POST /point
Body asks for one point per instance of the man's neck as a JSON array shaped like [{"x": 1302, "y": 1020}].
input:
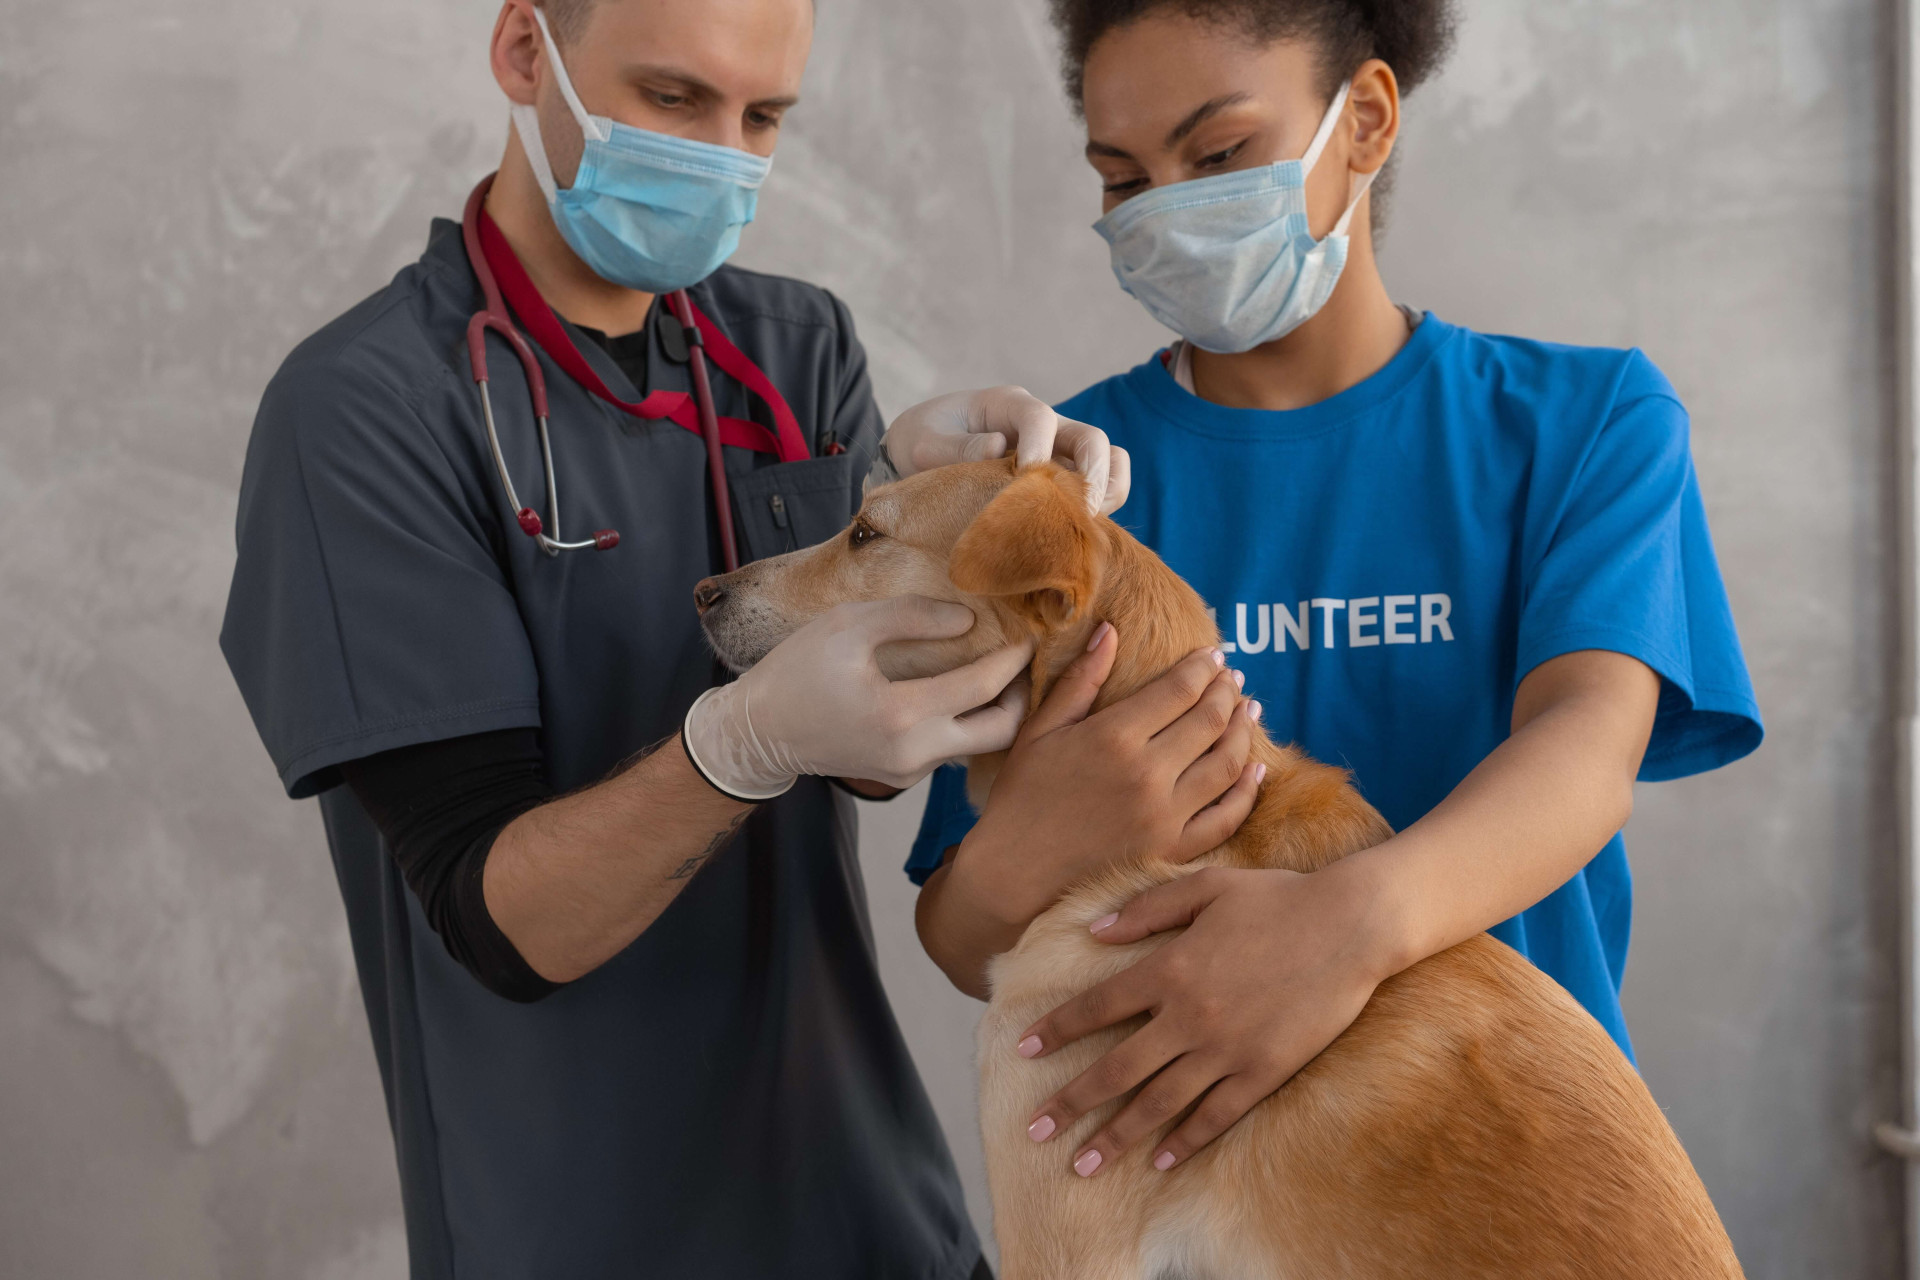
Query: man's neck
[
  {"x": 1349, "y": 340},
  {"x": 570, "y": 287}
]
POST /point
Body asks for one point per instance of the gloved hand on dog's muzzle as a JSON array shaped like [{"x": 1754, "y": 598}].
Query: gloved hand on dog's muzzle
[{"x": 818, "y": 704}]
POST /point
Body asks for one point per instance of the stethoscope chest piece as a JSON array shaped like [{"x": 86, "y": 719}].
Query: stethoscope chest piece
[
  {"x": 545, "y": 533},
  {"x": 493, "y": 317}
]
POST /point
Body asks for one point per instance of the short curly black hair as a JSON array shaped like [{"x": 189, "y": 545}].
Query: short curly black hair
[{"x": 1411, "y": 36}]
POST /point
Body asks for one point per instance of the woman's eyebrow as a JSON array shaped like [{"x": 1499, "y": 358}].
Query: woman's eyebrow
[
  {"x": 1200, "y": 114},
  {"x": 1195, "y": 118}
]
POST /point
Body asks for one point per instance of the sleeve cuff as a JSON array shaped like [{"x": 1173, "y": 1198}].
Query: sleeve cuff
[
  {"x": 316, "y": 768},
  {"x": 1695, "y": 729}
]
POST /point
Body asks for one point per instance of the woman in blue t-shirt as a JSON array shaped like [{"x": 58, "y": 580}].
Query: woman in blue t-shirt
[{"x": 1473, "y": 569}]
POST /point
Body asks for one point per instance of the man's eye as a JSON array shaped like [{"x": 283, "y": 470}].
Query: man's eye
[
  {"x": 862, "y": 534},
  {"x": 670, "y": 100},
  {"x": 1125, "y": 187}
]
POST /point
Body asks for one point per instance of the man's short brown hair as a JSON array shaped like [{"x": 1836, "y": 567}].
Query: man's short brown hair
[{"x": 568, "y": 18}]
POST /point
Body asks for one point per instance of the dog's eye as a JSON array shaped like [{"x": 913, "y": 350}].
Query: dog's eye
[{"x": 862, "y": 533}]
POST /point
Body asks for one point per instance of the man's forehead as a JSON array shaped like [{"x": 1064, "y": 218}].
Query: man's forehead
[
  {"x": 737, "y": 18},
  {"x": 750, "y": 48}
]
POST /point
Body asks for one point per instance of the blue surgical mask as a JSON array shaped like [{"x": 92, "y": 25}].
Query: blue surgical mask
[
  {"x": 1229, "y": 262},
  {"x": 646, "y": 210}
]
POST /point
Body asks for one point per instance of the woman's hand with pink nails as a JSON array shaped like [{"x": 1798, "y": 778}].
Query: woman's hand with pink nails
[
  {"x": 1162, "y": 773},
  {"x": 1273, "y": 965},
  {"x": 1079, "y": 791}
]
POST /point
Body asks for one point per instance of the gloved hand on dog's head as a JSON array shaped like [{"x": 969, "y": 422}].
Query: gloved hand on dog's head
[{"x": 974, "y": 426}]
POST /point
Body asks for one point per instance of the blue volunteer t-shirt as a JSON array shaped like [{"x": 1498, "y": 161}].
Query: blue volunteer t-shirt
[{"x": 1388, "y": 564}]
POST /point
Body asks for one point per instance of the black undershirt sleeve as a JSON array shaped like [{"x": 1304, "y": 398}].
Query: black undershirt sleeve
[{"x": 440, "y": 805}]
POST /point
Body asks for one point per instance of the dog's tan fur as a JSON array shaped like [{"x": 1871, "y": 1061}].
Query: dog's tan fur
[{"x": 1473, "y": 1121}]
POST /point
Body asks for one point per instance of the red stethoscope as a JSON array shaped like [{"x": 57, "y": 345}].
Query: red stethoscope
[{"x": 504, "y": 282}]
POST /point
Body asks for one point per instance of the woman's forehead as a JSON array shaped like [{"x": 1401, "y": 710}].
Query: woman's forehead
[{"x": 1154, "y": 73}]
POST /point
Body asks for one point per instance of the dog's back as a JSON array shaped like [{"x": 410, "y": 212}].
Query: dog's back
[{"x": 1473, "y": 1121}]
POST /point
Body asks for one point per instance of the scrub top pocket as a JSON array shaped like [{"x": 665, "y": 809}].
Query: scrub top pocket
[{"x": 790, "y": 505}]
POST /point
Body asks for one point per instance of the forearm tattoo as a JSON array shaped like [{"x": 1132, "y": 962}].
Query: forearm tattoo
[{"x": 686, "y": 869}]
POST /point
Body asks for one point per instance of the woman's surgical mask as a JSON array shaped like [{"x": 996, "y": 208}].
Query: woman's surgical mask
[
  {"x": 646, "y": 210},
  {"x": 1228, "y": 262}
]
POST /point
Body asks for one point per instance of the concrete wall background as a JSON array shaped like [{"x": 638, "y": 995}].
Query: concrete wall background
[{"x": 195, "y": 184}]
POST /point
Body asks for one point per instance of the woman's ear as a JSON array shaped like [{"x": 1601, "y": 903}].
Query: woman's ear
[
  {"x": 1374, "y": 100},
  {"x": 1035, "y": 543}
]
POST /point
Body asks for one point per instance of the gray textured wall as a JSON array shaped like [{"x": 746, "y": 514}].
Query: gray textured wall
[{"x": 186, "y": 1088}]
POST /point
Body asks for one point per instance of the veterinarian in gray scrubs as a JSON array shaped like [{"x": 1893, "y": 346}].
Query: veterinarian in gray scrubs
[{"x": 635, "y": 1029}]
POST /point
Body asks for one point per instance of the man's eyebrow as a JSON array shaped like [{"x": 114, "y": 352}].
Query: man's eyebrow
[
  {"x": 1107, "y": 149},
  {"x": 695, "y": 87},
  {"x": 1200, "y": 114},
  {"x": 674, "y": 75}
]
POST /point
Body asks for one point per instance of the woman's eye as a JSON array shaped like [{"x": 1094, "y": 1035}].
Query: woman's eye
[
  {"x": 863, "y": 533},
  {"x": 1219, "y": 158},
  {"x": 1126, "y": 187}
]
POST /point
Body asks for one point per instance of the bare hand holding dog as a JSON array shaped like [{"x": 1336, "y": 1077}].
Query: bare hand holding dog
[
  {"x": 1274, "y": 964},
  {"x": 1272, "y": 967},
  {"x": 1162, "y": 773}
]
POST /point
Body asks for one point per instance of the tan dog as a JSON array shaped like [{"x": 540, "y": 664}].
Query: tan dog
[{"x": 1473, "y": 1121}]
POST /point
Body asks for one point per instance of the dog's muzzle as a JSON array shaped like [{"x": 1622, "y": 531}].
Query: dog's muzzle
[{"x": 741, "y": 625}]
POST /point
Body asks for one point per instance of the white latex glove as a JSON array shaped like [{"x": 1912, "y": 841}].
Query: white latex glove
[
  {"x": 971, "y": 426},
  {"x": 818, "y": 704}
]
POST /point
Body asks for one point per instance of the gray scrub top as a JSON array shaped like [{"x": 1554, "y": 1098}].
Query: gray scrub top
[{"x": 730, "y": 1096}]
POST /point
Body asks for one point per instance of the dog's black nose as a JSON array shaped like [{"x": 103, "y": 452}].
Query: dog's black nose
[{"x": 708, "y": 594}]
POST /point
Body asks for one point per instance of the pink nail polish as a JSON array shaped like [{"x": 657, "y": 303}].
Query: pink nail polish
[
  {"x": 1104, "y": 923},
  {"x": 1163, "y": 1161},
  {"x": 1259, "y": 774},
  {"x": 1099, "y": 634},
  {"x": 1219, "y": 658},
  {"x": 1239, "y": 679},
  {"x": 1042, "y": 1129},
  {"x": 1029, "y": 1047},
  {"x": 1253, "y": 711},
  {"x": 1087, "y": 1163}
]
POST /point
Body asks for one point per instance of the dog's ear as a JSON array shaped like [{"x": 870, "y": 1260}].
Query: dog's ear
[{"x": 1035, "y": 543}]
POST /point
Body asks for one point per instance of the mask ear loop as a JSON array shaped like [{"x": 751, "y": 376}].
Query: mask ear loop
[
  {"x": 588, "y": 124},
  {"x": 526, "y": 122},
  {"x": 1356, "y": 187},
  {"x": 1359, "y": 188},
  {"x": 1325, "y": 131}
]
